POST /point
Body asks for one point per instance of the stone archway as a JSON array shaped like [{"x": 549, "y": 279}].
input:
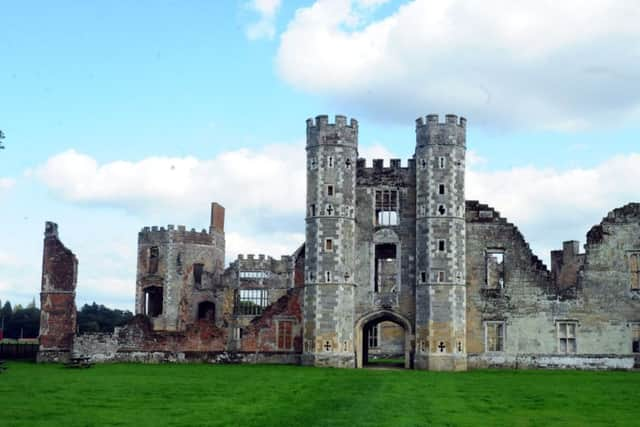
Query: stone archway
[{"x": 364, "y": 323}]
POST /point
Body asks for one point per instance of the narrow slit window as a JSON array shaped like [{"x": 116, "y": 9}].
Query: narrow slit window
[
  {"x": 328, "y": 245},
  {"x": 312, "y": 210},
  {"x": 423, "y": 277},
  {"x": 197, "y": 273},
  {"x": 327, "y": 275},
  {"x": 441, "y": 189},
  {"x": 441, "y": 245},
  {"x": 634, "y": 269},
  {"x": 442, "y": 162},
  {"x": 154, "y": 255},
  {"x": 441, "y": 276},
  {"x": 329, "y": 190}
]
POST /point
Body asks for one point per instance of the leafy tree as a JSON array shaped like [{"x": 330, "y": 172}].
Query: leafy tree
[{"x": 98, "y": 318}]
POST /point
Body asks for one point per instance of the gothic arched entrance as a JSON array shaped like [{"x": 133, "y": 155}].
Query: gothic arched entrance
[{"x": 368, "y": 322}]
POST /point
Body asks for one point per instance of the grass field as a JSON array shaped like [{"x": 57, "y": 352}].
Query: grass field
[{"x": 261, "y": 395}]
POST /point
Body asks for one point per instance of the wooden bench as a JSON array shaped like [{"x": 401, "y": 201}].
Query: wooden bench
[{"x": 78, "y": 362}]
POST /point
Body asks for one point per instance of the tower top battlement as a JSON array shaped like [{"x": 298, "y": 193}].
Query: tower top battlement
[
  {"x": 430, "y": 131},
  {"x": 342, "y": 132}
]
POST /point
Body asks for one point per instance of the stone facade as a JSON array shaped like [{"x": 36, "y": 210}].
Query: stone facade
[{"x": 396, "y": 263}]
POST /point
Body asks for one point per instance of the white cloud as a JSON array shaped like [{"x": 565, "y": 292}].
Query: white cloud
[
  {"x": 270, "y": 180},
  {"x": 264, "y": 27},
  {"x": 549, "y": 205},
  {"x": 6, "y": 184},
  {"x": 542, "y": 64}
]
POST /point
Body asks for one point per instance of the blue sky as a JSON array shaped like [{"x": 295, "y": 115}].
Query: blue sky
[{"x": 122, "y": 114}]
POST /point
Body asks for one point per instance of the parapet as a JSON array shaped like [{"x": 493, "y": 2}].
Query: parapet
[
  {"x": 264, "y": 263},
  {"x": 380, "y": 174},
  {"x": 341, "y": 132},
  {"x": 173, "y": 234},
  {"x": 322, "y": 121},
  {"x": 429, "y": 130}
]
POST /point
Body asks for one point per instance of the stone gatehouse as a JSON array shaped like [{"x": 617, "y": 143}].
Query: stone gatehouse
[{"x": 396, "y": 263}]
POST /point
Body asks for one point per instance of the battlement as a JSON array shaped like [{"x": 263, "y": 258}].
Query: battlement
[
  {"x": 379, "y": 164},
  {"x": 322, "y": 121},
  {"x": 430, "y": 131},
  {"x": 262, "y": 263},
  {"x": 434, "y": 120},
  {"x": 339, "y": 133},
  {"x": 171, "y": 233}
]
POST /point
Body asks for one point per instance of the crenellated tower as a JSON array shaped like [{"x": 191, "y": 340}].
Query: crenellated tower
[
  {"x": 440, "y": 243},
  {"x": 332, "y": 150}
]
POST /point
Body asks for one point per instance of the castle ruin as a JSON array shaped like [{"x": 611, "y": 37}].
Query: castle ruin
[{"x": 396, "y": 262}]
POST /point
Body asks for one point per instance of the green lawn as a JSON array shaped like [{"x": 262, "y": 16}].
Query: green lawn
[{"x": 250, "y": 395}]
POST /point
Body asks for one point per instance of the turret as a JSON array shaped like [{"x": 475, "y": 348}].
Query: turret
[
  {"x": 332, "y": 151},
  {"x": 440, "y": 243}
]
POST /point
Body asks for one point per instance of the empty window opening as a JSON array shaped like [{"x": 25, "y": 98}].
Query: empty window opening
[
  {"x": 441, "y": 277},
  {"x": 153, "y": 301},
  {"x": 441, "y": 245},
  {"x": 386, "y": 207},
  {"x": 423, "y": 163},
  {"x": 329, "y": 190},
  {"x": 442, "y": 162},
  {"x": 567, "y": 337},
  {"x": 634, "y": 269},
  {"x": 494, "y": 336},
  {"x": 373, "y": 337},
  {"x": 251, "y": 301},
  {"x": 423, "y": 277},
  {"x": 494, "y": 261},
  {"x": 207, "y": 311},
  {"x": 312, "y": 210},
  {"x": 347, "y": 163},
  {"x": 635, "y": 338},
  {"x": 328, "y": 245},
  {"x": 285, "y": 338},
  {"x": 386, "y": 268},
  {"x": 197, "y": 273},
  {"x": 154, "y": 255},
  {"x": 442, "y": 210},
  {"x": 441, "y": 189}
]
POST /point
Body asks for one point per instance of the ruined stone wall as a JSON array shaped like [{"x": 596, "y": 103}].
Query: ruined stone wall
[
  {"x": 533, "y": 308},
  {"x": 57, "y": 298},
  {"x": 178, "y": 251},
  {"x": 202, "y": 341}
]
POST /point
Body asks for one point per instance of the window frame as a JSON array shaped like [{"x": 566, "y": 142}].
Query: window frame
[
  {"x": 257, "y": 297},
  {"x": 283, "y": 336},
  {"x": 634, "y": 275},
  {"x": 501, "y": 338},
  {"x": 562, "y": 333},
  {"x": 386, "y": 207}
]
